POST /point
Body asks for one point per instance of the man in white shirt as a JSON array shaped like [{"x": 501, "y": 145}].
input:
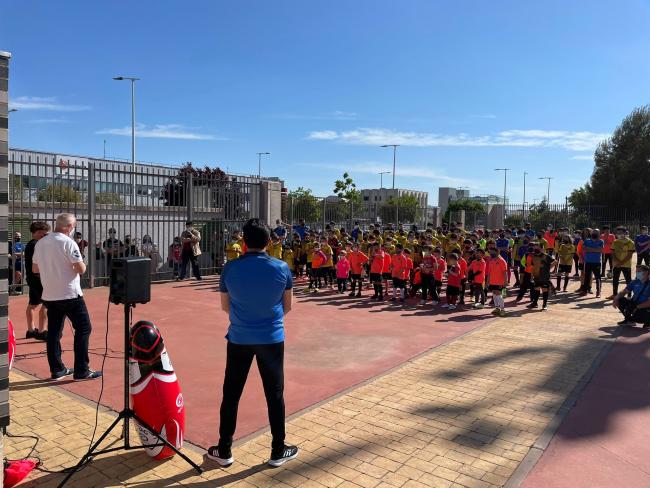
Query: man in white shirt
[{"x": 58, "y": 260}]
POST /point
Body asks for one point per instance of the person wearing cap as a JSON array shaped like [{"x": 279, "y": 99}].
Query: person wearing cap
[
  {"x": 190, "y": 239},
  {"x": 637, "y": 308}
]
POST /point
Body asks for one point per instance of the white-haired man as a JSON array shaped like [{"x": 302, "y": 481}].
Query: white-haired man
[{"x": 58, "y": 260}]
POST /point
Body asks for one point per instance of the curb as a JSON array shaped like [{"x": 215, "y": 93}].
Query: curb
[{"x": 539, "y": 447}]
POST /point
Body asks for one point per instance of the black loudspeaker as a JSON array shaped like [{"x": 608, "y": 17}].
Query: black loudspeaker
[{"x": 130, "y": 280}]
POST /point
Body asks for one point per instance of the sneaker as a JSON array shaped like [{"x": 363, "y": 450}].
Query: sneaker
[
  {"x": 31, "y": 334},
  {"x": 62, "y": 374},
  {"x": 646, "y": 325},
  {"x": 434, "y": 303},
  {"x": 502, "y": 313},
  {"x": 287, "y": 453},
  {"x": 597, "y": 294},
  {"x": 480, "y": 305},
  {"x": 532, "y": 305},
  {"x": 90, "y": 375},
  {"x": 495, "y": 311},
  {"x": 222, "y": 455},
  {"x": 359, "y": 295},
  {"x": 452, "y": 307},
  {"x": 545, "y": 308},
  {"x": 423, "y": 302},
  {"x": 476, "y": 305},
  {"x": 625, "y": 322},
  {"x": 445, "y": 305},
  {"x": 352, "y": 295},
  {"x": 41, "y": 336}
]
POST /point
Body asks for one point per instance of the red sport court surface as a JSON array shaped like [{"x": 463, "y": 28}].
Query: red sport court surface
[{"x": 332, "y": 343}]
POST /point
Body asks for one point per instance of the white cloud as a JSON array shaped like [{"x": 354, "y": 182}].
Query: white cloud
[
  {"x": 49, "y": 121},
  {"x": 417, "y": 171},
  {"x": 583, "y": 158},
  {"x": 335, "y": 115},
  {"x": 45, "y": 103},
  {"x": 573, "y": 141},
  {"x": 161, "y": 131}
]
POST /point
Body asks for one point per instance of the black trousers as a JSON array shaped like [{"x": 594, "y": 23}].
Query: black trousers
[
  {"x": 57, "y": 311},
  {"x": 525, "y": 285},
  {"x": 270, "y": 362},
  {"x": 605, "y": 259},
  {"x": 627, "y": 274},
  {"x": 640, "y": 316},
  {"x": 643, "y": 258},
  {"x": 592, "y": 268},
  {"x": 188, "y": 256}
]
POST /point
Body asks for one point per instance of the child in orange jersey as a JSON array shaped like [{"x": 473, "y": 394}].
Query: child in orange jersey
[
  {"x": 400, "y": 272},
  {"x": 438, "y": 274},
  {"x": 357, "y": 261},
  {"x": 453, "y": 281},
  {"x": 476, "y": 277},
  {"x": 385, "y": 273},
  {"x": 376, "y": 269}
]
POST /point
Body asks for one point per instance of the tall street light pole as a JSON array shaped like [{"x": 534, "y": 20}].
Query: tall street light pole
[
  {"x": 259, "y": 162},
  {"x": 523, "y": 206},
  {"x": 505, "y": 181},
  {"x": 132, "y": 80},
  {"x": 548, "y": 188},
  {"x": 381, "y": 178},
  {"x": 394, "y": 146}
]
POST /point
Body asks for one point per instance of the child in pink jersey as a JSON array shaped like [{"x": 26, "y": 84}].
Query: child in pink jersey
[{"x": 342, "y": 271}]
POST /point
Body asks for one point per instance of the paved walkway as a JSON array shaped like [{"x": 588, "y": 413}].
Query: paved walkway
[{"x": 464, "y": 414}]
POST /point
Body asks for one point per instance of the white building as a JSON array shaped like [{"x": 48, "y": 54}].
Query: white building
[
  {"x": 383, "y": 195},
  {"x": 447, "y": 194}
]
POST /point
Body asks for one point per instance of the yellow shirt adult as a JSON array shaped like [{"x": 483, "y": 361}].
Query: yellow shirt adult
[{"x": 622, "y": 250}]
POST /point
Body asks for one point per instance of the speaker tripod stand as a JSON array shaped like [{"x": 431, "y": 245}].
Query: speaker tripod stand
[{"x": 126, "y": 415}]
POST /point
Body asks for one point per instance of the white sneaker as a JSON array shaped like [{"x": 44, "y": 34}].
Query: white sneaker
[
  {"x": 446, "y": 305},
  {"x": 480, "y": 305}
]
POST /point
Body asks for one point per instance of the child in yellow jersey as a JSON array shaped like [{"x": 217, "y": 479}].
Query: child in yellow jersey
[
  {"x": 275, "y": 249},
  {"x": 298, "y": 259},
  {"x": 565, "y": 253},
  {"x": 389, "y": 246},
  {"x": 287, "y": 257},
  {"x": 233, "y": 249}
]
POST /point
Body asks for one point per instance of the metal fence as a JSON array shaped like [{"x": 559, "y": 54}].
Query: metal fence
[
  {"x": 146, "y": 209},
  {"x": 318, "y": 212}
]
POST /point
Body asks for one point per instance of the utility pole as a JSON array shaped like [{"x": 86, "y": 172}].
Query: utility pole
[
  {"x": 132, "y": 80},
  {"x": 548, "y": 188},
  {"x": 259, "y": 162},
  {"x": 505, "y": 181},
  {"x": 381, "y": 178},
  {"x": 394, "y": 146}
]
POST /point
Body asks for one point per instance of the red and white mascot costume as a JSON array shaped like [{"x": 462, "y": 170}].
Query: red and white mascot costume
[{"x": 156, "y": 396}]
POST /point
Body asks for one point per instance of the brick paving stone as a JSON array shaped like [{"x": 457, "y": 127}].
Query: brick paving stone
[{"x": 462, "y": 415}]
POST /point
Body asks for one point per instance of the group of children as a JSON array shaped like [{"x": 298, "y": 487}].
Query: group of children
[{"x": 449, "y": 265}]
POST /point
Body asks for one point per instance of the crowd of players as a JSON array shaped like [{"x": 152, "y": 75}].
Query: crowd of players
[{"x": 451, "y": 266}]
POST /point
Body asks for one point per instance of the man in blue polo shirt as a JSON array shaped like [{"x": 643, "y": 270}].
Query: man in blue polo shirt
[
  {"x": 256, "y": 292},
  {"x": 637, "y": 308},
  {"x": 642, "y": 244},
  {"x": 593, "y": 250}
]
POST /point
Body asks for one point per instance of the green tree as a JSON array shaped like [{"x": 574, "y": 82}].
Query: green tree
[
  {"x": 59, "y": 194},
  {"x": 621, "y": 171},
  {"x": 463, "y": 204},
  {"x": 402, "y": 209},
  {"x": 304, "y": 205},
  {"x": 346, "y": 189},
  {"x": 108, "y": 198}
]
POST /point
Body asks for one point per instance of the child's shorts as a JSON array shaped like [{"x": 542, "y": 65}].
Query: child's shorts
[
  {"x": 496, "y": 287},
  {"x": 453, "y": 291},
  {"x": 437, "y": 283},
  {"x": 398, "y": 283},
  {"x": 386, "y": 276},
  {"x": 356, "y": 277},
  {"x": 375, "y": 277},
  {"x": 565, "y": 268}
]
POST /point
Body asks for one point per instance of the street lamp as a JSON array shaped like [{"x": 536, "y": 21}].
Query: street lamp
[
  {"x": 381, "y": 178},
  {"x": 394, "y": 146},
  {"x": 548, "y": 188},
  {"x": 132, "y": 80},
  {"x": 259, "y": 162},
  {"x": 505, "y": 179},
  {"x": 12, "y": 110},
  {"x": 523, "y": 205}
]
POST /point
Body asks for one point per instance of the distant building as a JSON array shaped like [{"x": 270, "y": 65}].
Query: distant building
[
  {"x": 383, "y": 195},
  {"x": 447, "y": 194},
  {"x": 488, "y": 199}
]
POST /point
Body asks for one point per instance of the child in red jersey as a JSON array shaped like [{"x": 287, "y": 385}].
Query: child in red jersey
[
  {"x": 376, "y": 269},
  {"x": 400, "y": 272},
  {"x": 476, "y": 277},
  {"x": 427, "y": 269},
  {"x": 453, "y": 281},
  {"x": 342, "y": 271},
  {"x": 438, "y": 274},
  {"x": 357, "y": 261},
  {"x": 463, "y": 279},
  {"x": 385, "y": 273}
]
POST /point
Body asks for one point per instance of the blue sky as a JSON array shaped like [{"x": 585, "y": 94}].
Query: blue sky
[{"x": 464, "y": 87}]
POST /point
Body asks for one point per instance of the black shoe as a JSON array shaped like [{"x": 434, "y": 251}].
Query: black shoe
[
  {"x": 532, "y": 305},
  {"x": 31, "y": 334},
  {"x": 90, "y": 375},
  {"x": 351, "y": 295},
  {"x": 222, "y": 455},
  {"x": 62, "y": 374},
  {"x": 358, "y": 295},
  {"x": 41, "y": 336},
  {"x": 287, "y": 453},
  {"x": 625, "y": 322}
]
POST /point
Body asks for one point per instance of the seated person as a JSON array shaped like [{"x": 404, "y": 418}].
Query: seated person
[{"x": 637, "y": 308}]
